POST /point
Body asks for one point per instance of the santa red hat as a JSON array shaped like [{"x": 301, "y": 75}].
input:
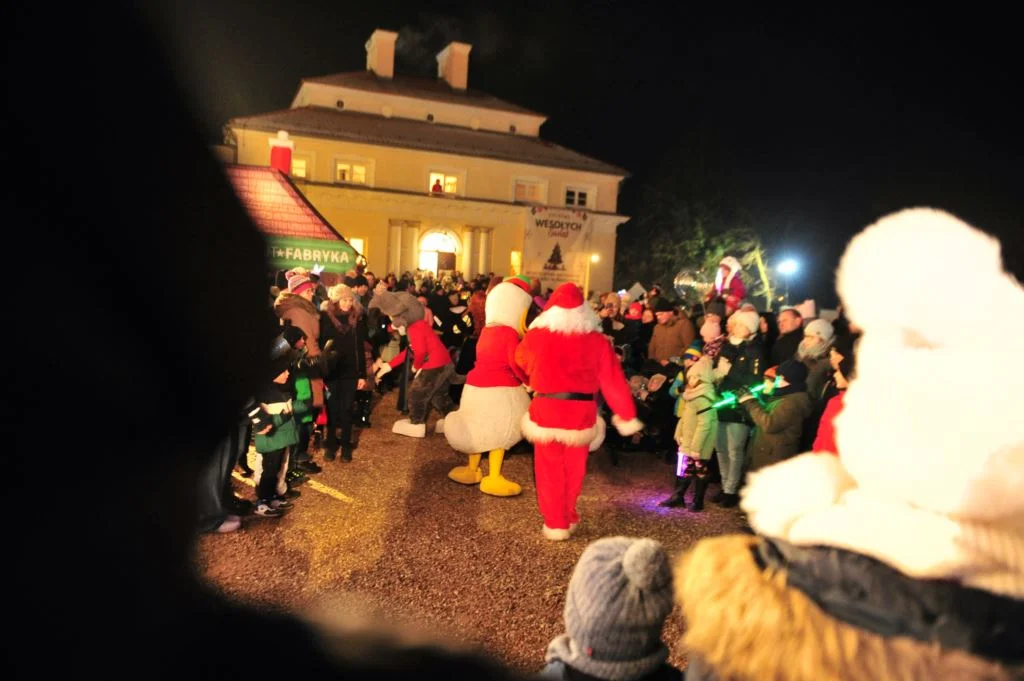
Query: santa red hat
[
  {"x": 568, "y": 295},
  {"x": 567, "y": 312}
]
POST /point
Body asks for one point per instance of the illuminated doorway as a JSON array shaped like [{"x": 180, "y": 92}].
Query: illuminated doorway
[{"x": 437, "y": 252}]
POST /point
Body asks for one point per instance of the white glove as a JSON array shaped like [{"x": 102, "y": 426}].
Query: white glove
[{"x": 383, "y": 369}]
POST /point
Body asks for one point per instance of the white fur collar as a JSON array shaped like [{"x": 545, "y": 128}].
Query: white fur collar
[{"x": 572, "y": 322}]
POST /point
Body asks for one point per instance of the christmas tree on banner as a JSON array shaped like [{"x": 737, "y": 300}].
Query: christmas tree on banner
[{"x": 555, "y": 261}]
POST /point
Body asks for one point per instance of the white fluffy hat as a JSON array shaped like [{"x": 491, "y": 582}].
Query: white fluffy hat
[{"x": 930, "y": 474}]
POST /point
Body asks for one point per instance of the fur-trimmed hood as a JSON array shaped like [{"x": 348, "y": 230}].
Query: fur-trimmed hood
[
  {"x": 287, "y": 302},
  {"x": 745, "y": 623}
]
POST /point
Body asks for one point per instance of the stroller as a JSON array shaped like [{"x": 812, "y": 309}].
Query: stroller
[{"x": 653, "y": 407}]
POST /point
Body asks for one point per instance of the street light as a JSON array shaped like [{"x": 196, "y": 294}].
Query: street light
[{"x": 788, "y": 268}]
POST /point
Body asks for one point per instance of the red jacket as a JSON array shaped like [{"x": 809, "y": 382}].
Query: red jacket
[
  {"x": 826, "y": 439},
  {"x": 582, "y": 363},
  {"x": 428, "y": 352},
  {"x": 496, "y": 359}
]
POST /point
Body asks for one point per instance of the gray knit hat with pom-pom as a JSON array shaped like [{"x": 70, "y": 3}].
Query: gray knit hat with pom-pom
[{"x": 618, "y": 599}]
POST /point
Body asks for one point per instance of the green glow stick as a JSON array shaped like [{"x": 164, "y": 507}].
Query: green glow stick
[{"x": 729, "y": 398}]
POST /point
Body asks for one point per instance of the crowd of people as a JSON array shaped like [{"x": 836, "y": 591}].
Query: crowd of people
[{"x": 900, "y": 558}]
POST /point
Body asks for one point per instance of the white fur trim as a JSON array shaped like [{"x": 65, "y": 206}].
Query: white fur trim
[
  {"x": 506, "y": 305},
  {"x": 570, "y": 321},
  {"x": 627, "y": 428},
  {"x": 555, "y": 535},
  {"x": 771, "y": 509},
  {"x": 734, "y": 267},
  {"x": 574, "y": 438},
  {"x": 487, "y": 418},
  {"x": 598, "y": 440}
]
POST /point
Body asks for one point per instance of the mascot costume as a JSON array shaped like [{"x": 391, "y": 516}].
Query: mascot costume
[
  {"x": 567, "y": 360},
  {"x": 903, "y": 557},
  {"x": 729, "y": 287},
  {"x": 494, "y": 400},
  {"x": 430, "y": 361}
]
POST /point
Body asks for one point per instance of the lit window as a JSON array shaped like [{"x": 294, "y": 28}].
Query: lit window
[
  {"x": 357, "y": 245},
  {"x": 576, "y": 197},
  {"x": 350, "y": 173},
  {"x": 529, "y": 192},
  {"x": 443, "y": 184},
  {"x": 298, "y": 167}
]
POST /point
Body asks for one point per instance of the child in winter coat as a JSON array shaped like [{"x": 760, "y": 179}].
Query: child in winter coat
[
  {"x": 779, "y": 421},
  {"x": 275, "y": 425},
  {"x": 695, "y": 434}
]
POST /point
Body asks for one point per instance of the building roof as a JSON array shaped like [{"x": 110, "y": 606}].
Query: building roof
[
  {"x": 418, "y": 88},
  {"x": 408, "y": 134},
  {"x": 276, "y": 206}
]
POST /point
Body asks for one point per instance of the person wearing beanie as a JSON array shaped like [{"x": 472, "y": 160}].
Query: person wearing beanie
[
  {"x": 902, "y": 558},
  {"x": 618, "y": 599},
  {"x": 295, "y": 306},
  {"x": 567, "y": 360},
  {"x": 696, "y": 432},
  {"x": 813, "y": 351},
  {"x": 843, "y": 359},
  {"x": 671, "y": 336},
  {"x": 739, "y": 364},
  {"x": 779, "y": 420},
  {"x": 343, "y": 325}
]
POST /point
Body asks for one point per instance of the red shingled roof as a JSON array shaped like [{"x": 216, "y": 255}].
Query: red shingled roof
[{"x": 277, "y": 207}]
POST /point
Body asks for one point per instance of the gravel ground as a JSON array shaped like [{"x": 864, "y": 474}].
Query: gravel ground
[{"x": 390, "y": 530}]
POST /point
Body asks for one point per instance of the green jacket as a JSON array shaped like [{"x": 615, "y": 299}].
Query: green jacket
[
  {"x": 778, "y": 426},
  {"x": 284, "y": 434}
]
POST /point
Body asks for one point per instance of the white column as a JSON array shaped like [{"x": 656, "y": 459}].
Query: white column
[
  {"x": 468, "y": 249},
  {"x": 395, "y": 248},
  {"x": 410, "y": 247},
  {"x": 485, "y": 251}
]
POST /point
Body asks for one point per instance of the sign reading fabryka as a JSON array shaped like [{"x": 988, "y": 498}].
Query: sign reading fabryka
[
  {"x": 556, "y": 248},
  {"x": 334, "y": 256}
]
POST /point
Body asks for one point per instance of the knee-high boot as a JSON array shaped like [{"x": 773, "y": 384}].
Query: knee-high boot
[
  {"x": 699, "y": 488},
  {"x": 678, "y": 497}
]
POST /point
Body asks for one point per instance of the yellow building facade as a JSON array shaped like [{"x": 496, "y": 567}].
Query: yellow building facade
[{"x": 423, "y": 174}]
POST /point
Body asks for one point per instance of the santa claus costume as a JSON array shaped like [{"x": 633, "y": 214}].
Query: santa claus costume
[
  {"x": 567, "y": 360},
  {"x": 729, "y": 287},
  {"x": 490, "y": 414}
]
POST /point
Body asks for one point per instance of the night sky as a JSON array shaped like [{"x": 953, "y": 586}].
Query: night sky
[{"x": 820, "y": 122}]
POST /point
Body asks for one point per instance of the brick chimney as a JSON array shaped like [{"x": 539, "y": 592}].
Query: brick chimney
[
  {"x": 281, "y": 152},
  {"x": 380, "y": 53},
  {"x": 453, "y": 65}
]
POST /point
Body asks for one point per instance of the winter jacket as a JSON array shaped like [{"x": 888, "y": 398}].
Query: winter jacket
[
  {"x": 302, "y": 313},
  {"x": 765, "y": 609},
  {"x": 825, "y": 441},
  {"x": 695, "y": 433},
  {"x": 819, "y": 371},
  {"x": 347, "y": 358},
  {"x": 671, "y": 339},
  {"x": 748, "y": 366},
  {"x": 778, "y": 426},
  {"x": 275, "y": 400},
  {"x": 785, "y": 347}
]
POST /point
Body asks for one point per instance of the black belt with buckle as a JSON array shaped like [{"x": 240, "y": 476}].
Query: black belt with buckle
[{"x": 578, "y": 397}]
